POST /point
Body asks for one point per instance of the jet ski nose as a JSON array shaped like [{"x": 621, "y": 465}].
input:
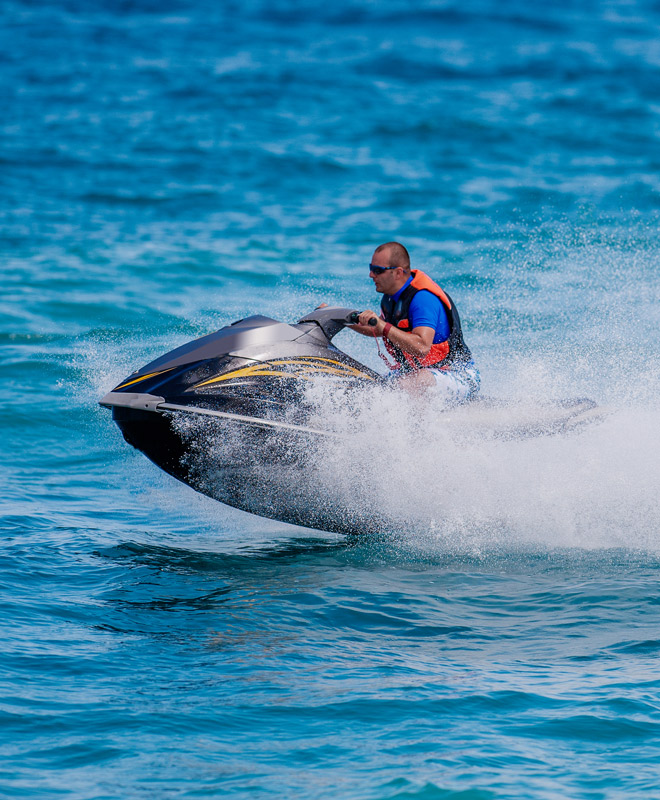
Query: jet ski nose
[{"x": 138, "y": 402}]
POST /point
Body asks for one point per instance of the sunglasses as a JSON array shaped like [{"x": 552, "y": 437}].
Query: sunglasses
[{"x": 379, "y": 270}]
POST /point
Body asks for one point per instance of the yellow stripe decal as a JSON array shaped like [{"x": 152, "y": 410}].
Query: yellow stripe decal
[
  {"x": 141, "y": 378},
  {"x": 306, "y": 367}
]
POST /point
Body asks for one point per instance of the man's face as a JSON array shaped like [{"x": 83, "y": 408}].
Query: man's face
[{"x": 389, "y": 281}]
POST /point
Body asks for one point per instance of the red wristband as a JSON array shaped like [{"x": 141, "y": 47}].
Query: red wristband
[{"x": 386, "y": 329}]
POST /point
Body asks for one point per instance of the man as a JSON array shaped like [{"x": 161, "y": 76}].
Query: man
[{"x": 420, "y": 328}]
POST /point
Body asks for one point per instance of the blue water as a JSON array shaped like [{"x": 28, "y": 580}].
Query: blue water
[{"x": 168, "y": 167}]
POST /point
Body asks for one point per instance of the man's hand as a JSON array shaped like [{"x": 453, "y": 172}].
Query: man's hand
[{"x": 366, "y": 329}]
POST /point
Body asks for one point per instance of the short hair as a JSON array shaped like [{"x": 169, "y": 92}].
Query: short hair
[{"x": 398, "y": 255}]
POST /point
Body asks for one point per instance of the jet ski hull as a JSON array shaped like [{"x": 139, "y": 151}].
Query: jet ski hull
[{"x": 265, "y": 471}]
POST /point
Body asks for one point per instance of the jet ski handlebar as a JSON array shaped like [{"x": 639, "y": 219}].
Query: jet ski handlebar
[
  {"x": 333, "y": 319},
  {"x": 354, "y": 319}
]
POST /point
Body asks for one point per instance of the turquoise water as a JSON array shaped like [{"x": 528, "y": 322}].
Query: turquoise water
[{"x": 170, "y": 167}]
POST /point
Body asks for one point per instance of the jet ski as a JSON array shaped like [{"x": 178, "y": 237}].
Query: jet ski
[
  {"x": 229, "y": 415},
  {"x": 226, "y": 413}
]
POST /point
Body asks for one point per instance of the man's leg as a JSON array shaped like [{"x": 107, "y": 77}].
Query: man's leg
[{"x": 450, "y": 387}]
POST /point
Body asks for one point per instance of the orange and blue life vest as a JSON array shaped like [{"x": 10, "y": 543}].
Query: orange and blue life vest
[{"x": 442, "y": 355}]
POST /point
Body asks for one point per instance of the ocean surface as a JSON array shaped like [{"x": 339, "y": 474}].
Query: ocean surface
[{"x": 169, "y": 167}]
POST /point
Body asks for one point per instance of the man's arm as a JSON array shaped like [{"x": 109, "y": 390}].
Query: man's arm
[{"x": 417, "y": 342}]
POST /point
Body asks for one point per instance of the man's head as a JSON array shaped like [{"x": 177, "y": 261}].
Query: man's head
[{"x": 393, "y": 258}]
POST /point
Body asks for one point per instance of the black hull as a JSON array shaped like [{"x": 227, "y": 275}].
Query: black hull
[
  {"x": 273, "y": 474},
  {"x": 156, "y": 436}
]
